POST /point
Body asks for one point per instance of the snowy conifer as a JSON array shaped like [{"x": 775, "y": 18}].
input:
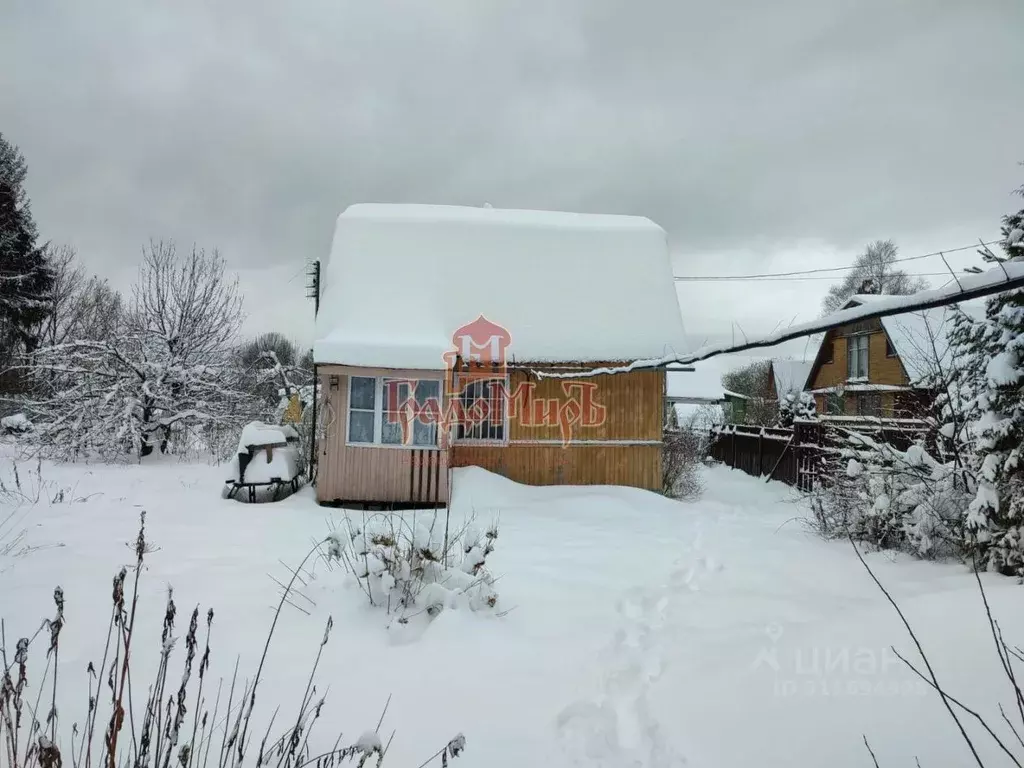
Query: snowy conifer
[
  {"x": 956, "y": 403},
  {"x": 25, "y": 278},
  {"x": 796, "y": 406},
  {"x": 995, "y": 520}
]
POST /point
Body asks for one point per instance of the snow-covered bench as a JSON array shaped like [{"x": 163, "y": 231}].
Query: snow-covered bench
[{"x": 267, "y": 458}]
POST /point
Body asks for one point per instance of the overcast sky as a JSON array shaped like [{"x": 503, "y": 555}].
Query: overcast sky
[{"x": 764, "y": 136}]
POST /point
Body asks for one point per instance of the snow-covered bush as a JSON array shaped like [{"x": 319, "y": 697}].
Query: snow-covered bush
[
  {"x": 411, "y": 568},
  {"x": 681, "y": 455},
  {"x": 796, "y": 406},
  {"x": 893, "y": 499}
]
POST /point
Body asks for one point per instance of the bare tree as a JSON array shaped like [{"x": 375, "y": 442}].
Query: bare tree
[
  {"x": 81, "y": 307},
  {"x": 873, "y": 272},
  {"x": 274, "y": 367},
  {"x": 163, "y": 368}
]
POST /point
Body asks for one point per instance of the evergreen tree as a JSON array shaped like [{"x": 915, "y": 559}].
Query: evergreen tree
[
  {"x": 25, "y": 278},
  {"x": 996, "y": 516}
]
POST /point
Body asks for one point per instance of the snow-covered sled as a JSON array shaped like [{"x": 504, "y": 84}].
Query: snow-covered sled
[{"x": 267, "y": 460}]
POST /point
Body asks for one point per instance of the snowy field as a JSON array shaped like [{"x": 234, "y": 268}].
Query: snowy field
[{"x": 640, "y": 631}]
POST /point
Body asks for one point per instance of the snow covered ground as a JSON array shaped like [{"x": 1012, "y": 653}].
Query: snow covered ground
[{"x": 643, "y": 632}]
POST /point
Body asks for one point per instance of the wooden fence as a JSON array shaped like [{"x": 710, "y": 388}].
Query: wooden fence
[
  {"x": 797, "y": 456},
  {"x": 758, "y": 451}
]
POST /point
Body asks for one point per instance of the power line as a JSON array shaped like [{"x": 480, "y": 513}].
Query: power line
[
  {"x": 697, "y": 278},
  {"x": 773, "y": 279}
]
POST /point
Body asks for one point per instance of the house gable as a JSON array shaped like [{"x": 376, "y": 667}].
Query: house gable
[{"x": 830, "y": 373}]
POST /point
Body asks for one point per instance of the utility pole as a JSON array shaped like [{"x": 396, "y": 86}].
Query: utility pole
[{"x": 313, "y": 285}]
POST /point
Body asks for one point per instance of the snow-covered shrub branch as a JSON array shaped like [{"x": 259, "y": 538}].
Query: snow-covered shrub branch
[
  {"x": 411, "y": 568},
  {"x": 905, "y": 500},
  {"x": 682, "y": 453}
]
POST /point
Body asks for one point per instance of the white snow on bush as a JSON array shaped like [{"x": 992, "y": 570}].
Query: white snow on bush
[{"x": 413, "y": 566}]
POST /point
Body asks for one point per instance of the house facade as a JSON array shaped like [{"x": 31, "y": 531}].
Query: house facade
[
  {"x": 448, "y": 337},
  {"x": 885, "y": 368}
]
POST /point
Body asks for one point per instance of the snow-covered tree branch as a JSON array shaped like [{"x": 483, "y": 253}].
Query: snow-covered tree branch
[{"x": 161, "y": 366}]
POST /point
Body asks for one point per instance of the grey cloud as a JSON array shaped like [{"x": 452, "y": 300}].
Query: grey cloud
[{"x": 742, "y": 127}]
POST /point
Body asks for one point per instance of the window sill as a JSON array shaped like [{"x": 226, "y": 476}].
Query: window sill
[{"x": 394, "y": 446}]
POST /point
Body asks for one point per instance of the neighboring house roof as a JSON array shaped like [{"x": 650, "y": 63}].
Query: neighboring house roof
[
  {"x": 704, "y": 383},
  {"x": 920, "y": 339},
  {"x": 401, "y": 279},
  {"x": 790, "y": 376}
]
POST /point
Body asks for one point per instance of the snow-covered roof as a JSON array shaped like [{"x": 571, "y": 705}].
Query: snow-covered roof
[
  {"x": 704, "y": 382},
  {"x": 401, "y": 279},
  {"x": 921, "y": 339},
  {"x": 790, "y": 376}
]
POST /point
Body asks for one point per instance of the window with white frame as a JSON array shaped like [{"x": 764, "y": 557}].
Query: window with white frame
[
  {"x": 393, "y": 412},
  {"x": 484, "y": 410},
  {"x": 401, "y": 423},
  {"x": 857, "y": 356},
  {"x": 362, "y": 410}
]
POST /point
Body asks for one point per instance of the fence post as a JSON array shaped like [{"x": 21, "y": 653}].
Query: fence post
[
  {"x": 760, "y": 452},
  {"x": 734, "y": 442}
]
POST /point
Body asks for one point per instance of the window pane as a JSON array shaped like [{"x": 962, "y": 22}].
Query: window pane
[
  {"x": 427, "y": 390},
  {"x": 391, "y": 431},
  {"x": 360, "y": 426},
  {"x": 396, "y": 391},
  {"x": 486, "y": 400},
  {"x": 364, "y": 392},
  {"x": 857, "y": 357},
  {"x": 424, "y": 434},
  {"x": 875, "y": 405}
]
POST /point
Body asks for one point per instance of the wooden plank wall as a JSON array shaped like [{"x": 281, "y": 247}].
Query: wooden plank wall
[
  {"x": 368, "y": 473},
  {"x": 634, "y": 465},
  {"x": 633, "y": 405}
]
